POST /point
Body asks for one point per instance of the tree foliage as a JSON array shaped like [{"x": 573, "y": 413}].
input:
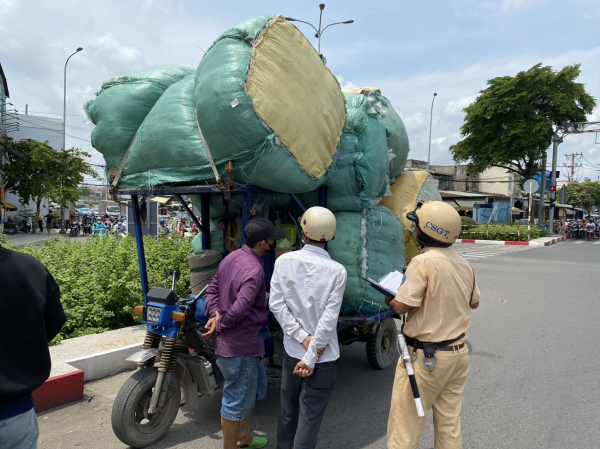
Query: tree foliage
[
  {"x": 34, "y": 170},
  {"x": 512, "y": 121},
  {"x": 584, "y": 195}
]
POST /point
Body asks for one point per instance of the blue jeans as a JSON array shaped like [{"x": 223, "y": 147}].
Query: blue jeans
[
  {"x": 245, "y": 383},
  {"x": 20, "y": 432}
]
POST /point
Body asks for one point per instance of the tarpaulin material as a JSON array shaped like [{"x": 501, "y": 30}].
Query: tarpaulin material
[
  {"x": 122, "y": 104},
  {"x": 296, "y": 96},
  {"x": 167, "y": 148},
  {"x": 359, "y": 179},
  {"x": 410, "y": 188},
  {"x": 233, "y": 73},
  {"x": 369, "y": 244}
]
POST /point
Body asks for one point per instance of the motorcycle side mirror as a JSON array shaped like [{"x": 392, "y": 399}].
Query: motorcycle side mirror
[{"x": 176, "y": 274}]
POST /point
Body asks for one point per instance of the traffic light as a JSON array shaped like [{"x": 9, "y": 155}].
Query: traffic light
[{"x": 552, "y": 189}]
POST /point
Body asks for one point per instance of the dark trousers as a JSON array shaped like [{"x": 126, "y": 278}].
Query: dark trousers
[
  {"x": 303, "y": 403},
  {"x": 41, "y": 225}
]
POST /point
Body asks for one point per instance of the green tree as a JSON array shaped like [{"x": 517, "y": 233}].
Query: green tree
[
  {"x": 70, "y": 166},
  {"x": 585, "y": 195},
  {"x": 28, "y": 170},
  {"x": 84, "y": 191},
  {"x": 34, "y": 170},
  {"x": 512, "y": 121}
]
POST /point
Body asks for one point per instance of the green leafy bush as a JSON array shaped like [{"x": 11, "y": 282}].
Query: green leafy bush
[
  {"x": 499, "y": 232},
  {"x": 467, "y": 221},
  {"x": 100, "y": 279}
]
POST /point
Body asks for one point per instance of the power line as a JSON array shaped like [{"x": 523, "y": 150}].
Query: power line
[
  {"x": 54, "y": 130},
  {"x": 18, "y": 116}
]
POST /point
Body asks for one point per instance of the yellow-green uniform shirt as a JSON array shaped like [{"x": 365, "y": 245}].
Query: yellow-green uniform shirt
[{"x": 440, "y": 286}]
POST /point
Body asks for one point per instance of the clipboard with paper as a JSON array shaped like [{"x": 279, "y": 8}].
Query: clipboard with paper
[{"x": 388, "y": 284}]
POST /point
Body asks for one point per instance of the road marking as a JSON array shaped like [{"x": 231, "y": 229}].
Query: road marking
[
  {"x": 578, "y": 242},
  {"x": 596, "y": 243},
  {"x": 482, "y": 252}
]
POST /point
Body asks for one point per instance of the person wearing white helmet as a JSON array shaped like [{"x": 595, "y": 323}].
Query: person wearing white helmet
[
  {"x": 307, "y": 289},
  {"x": 439, "y": 292}
]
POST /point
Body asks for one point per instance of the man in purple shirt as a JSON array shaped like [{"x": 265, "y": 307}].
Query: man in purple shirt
[{"x": 236, "y": 304}]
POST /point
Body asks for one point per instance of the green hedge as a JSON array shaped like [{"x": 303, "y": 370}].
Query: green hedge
[
  {"x": 100, "y": 280},
  {"x": 495, "y": 232}
]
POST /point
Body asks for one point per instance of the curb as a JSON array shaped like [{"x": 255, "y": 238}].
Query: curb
[
  {"x": 508, "y": 242},
  {"x": 107, "y": 363},
  {"x": 59, "y": 390}
]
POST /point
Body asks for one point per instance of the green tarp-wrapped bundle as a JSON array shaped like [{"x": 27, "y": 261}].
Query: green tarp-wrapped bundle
[
  {"x": 265, "y": 100},
  {"x": 261, "y": 97},
  {"x": 168, "y": 148},
  {"x": 122, "y": 104},
  {"x": 369, "y": 244},
  {"x": 359, "y": 179}
]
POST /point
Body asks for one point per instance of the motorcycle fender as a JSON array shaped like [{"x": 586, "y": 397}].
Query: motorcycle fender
[
  {"x": 142, "y": 356},
  {"x": 188, "y": 384}
]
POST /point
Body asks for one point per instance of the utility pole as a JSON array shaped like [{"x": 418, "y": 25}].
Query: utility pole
[
  {"x": 556, "y": 140},
  {"x": 572, "y": 157},
  {"x": 542, "y": 205}
]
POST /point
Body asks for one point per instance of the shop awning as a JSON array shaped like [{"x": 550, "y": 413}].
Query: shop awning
[
  {"x": 8, "y": 206},
  {"x": 161, "y": 199},
  {"x": 467, "y": 203}
]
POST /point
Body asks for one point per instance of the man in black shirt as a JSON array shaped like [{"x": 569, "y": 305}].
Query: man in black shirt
[{"x": 32, "y": 316}]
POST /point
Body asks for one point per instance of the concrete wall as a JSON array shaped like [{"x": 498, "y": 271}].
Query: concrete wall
[
  {"x": 495, "y": 180},
  {"x": 458, "y": 174}
]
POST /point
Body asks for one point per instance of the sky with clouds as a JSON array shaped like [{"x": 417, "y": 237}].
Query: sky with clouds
[{"x": 409, "y": 49}]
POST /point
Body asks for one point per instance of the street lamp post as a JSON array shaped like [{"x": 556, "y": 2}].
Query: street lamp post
[
  {"x": 430, "y": 122},
  {"x": 62, "y": 206},
  {"x": 319, "y": 32}
]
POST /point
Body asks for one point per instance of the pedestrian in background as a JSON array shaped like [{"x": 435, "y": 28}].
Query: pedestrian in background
[
  {"x": 439, "y": 292},
  {"x": 40, "y": 221},
  {"x": 307, "y": 290},
  {"x": 49, "y": 218},
  {"x": 30, "y": 300},
  {"x": 236, "y": 304}
]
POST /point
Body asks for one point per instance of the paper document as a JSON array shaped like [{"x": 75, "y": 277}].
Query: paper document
[{"x": 388, "y": 284}]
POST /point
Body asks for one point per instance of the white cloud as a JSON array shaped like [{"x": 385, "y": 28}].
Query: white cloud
[
  {"x": 515, "y": 4},
  {"x": 457, "y": 106},
  {"x": 107, "y": 45},
  {"x": 345, "y": 84}
]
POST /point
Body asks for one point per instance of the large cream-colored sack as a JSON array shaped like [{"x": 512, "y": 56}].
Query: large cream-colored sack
[{"x": 410, "y": 188}]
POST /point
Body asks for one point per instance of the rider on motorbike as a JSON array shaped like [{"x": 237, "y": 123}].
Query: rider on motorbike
[{"x": 590, "y": 228}]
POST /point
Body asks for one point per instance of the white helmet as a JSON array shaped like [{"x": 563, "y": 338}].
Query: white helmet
[
  {"x": 318, "y": 223},
  {"x": 436, "y": 221}
]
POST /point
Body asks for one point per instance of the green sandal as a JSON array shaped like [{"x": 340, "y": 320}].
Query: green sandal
[{"x": 257, "y": 442}]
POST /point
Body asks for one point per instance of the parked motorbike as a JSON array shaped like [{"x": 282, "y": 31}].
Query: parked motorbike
[
  {"x": 574, "y": 230},
  {"x": 75, "y": 228},
  {"x": 12, "y": 227},
  {"x": 168, "y": 375}
]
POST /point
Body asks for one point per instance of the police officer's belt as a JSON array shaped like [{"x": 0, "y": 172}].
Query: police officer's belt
[{"x": 445, "y": 345}]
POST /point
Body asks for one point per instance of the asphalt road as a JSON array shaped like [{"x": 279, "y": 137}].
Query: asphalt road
[{"x": 534, "y": 378}]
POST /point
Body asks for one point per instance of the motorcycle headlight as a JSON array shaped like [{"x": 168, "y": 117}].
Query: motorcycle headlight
[{"x": 153, "y": 314}]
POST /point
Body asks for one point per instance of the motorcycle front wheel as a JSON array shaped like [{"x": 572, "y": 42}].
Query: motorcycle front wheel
[{"x": 130, "y": 420}]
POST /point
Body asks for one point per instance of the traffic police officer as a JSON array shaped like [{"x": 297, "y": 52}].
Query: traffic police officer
[{"x": 439, "y": 292}]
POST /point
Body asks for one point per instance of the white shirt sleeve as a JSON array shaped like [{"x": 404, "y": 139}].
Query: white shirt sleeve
[
  {"x": 327, "y": 327},
  {"x": 289, "y": 324}
]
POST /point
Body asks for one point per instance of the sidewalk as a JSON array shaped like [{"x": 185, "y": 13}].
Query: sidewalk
[
  {"x": 542, "y": 241},
  {"x": 20, "y": 239},
  {"x": 81, "y": 359}
]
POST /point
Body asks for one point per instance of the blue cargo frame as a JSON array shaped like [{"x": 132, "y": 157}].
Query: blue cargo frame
[{"x": 344, "y": 322}]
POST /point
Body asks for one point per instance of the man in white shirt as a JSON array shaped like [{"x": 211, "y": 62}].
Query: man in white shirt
[{"x": 307, "y": 289}]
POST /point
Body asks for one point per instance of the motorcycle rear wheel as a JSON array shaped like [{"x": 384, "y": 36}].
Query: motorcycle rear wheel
[{"x": 130, "y": 421}]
